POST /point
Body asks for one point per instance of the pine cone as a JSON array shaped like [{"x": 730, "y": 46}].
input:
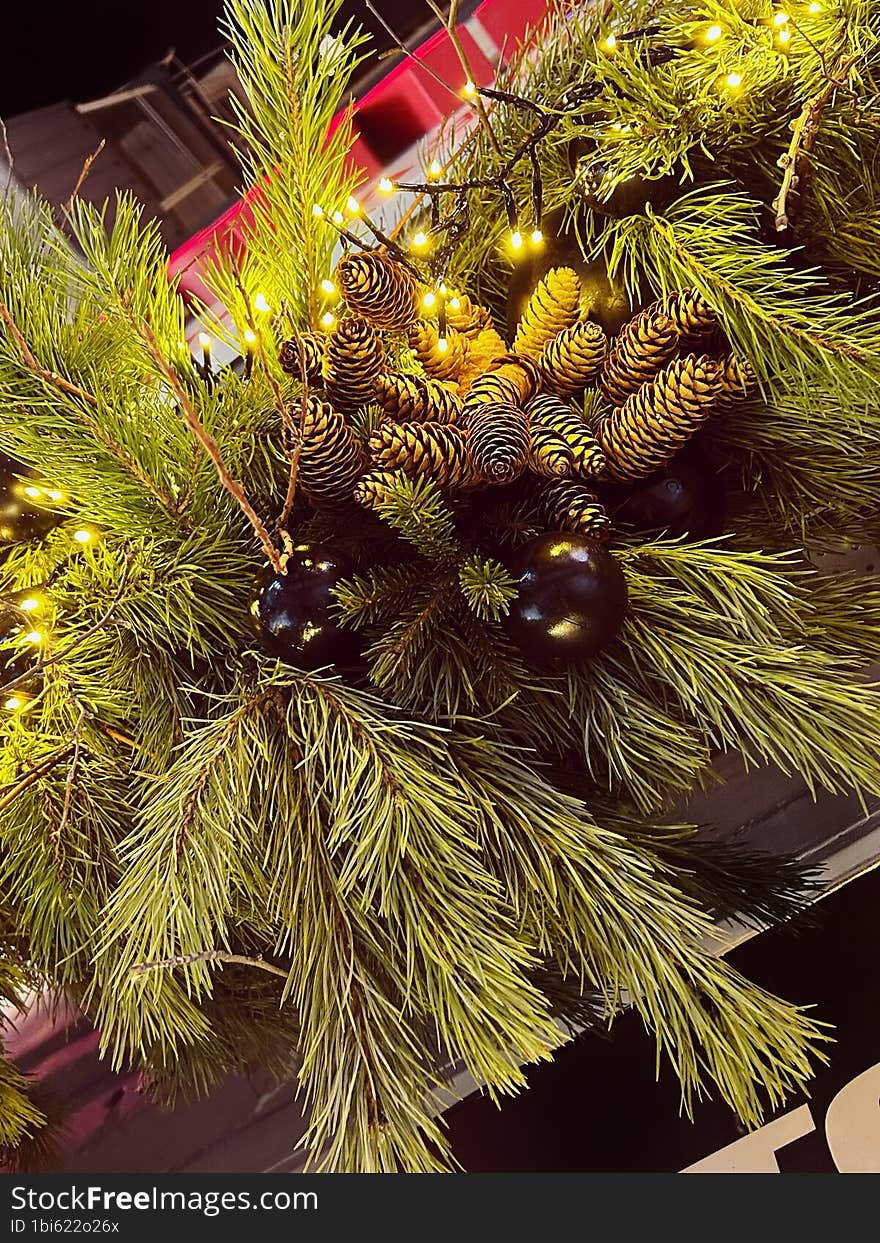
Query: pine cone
[
  {"x": 572, "y": 360},
  {"x": 694, "y": 319},
  {"x": 379, "y": 288},
  {"x": 738, "y": 382},
  {"x": 498, "y": 436},
  {"x": 569, "y": 505},
  {"x": 551, "y": 309},
  {"x": 467, "y": 317},
  {"x": 354, "y": 360},
  {"x": 511, "y": 380},
  {"x": 642, "y": 435},
  {"x": 410, "y": 399},
  {"x": 433, "y": 449},
  {"x": 331, "y": 459},
  {"x": 549, "y": 411},
  {"x": 308, "y": 346},
  {"x": 483, "y": 352},
  {"x": 644, "y": 347},
  {"x": 424, "y": 341},
  {"x": 549, "y": 454},
  {"x": 372, "y": 488}
]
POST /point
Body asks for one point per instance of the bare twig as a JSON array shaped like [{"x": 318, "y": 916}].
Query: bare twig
[
  {"x": 84, "y": 172},
  {"x": 77, "y": 642},
  {"x": 183, "y": 960},
  {"x": 451, "y": 23},
  {"x": 10, "y": 161},
  {"x": 805, "y": 131},
  {"x": 198, "y": 429},
  {"x": 70, "y": 782},
  {"x": 401, "y": 46},
  {"x": 67, "y": 386},
  {"x": 42, "y": 769}
]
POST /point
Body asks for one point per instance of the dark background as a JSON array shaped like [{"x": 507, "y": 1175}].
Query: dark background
[
  {"x": 597, "y": 1107},
  {"x": 82, "y": 49}
]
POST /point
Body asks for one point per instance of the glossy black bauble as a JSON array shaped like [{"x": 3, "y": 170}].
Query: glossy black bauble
[
  {"x": 571, "y": 601},
  {"x": 683, "y": 499},
  {"x": 295, "y": 613}
]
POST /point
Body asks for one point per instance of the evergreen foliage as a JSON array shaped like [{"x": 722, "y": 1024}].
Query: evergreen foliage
[{"x": 224, "y": 859}]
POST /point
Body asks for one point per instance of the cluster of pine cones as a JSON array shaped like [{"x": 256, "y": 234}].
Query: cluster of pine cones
[{"x": 483, "y": 413}]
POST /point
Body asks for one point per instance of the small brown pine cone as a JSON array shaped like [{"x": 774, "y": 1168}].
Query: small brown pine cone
[
  {"x": 372, "y": 488},
  {"x": 484, "y": 351},
  {"x": 467, "y": 317},
  {"x": 331, "y": 458},
  {"x": 550, "y": 455},
  {"x": 569, "y": 505},
  {"x": 738, "y": 382},
  {"x": 353, "y": 362},
  {"x": 379, "y": 288},
  {"x": 644, "y": 347},
  {"x": 551, "y": 309},
  {"x": 438, "y": 363},
  {"x": 433, "y": 449},
  {"x": 498, "y": 438},
  {"x": 573, "y": 359},
  {"x": 512, "y": 379},
  {"x": 549, "y": 411},
  {"x": 649, "y": 429},
  {"x": 694, "y": 319},
  {"x": 409, "y": 399},
  {"x": 306, "y": 347}
]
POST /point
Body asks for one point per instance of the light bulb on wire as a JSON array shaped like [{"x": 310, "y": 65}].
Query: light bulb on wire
[
  {"x": 713, "y": 34},
  {"x": 386, "y": 185}
]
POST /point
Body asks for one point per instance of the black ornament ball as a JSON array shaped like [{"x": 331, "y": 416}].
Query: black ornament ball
[
  {"x": 571, "y": 601},
  {"x": 683, "y": 499},
  {"x": 295, "y": 613}
]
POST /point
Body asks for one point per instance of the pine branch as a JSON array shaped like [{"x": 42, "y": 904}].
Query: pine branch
[
  {"x": 209, "y": 956},
  {"x": 66, "y": 386}
]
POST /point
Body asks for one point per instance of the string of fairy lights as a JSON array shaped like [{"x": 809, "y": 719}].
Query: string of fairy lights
[
  {"x": 427, "y": 253},
  {"x": 429, "y": 249}
]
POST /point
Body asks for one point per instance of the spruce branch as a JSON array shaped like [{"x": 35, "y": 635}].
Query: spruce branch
[
  {"x": 103, "y": 437},
  {"x": 34, "y": 774},
  {"x": 66, "y": 652},
  {"x": 487, "y": 586},
  {"x": 201, "y": 433}
]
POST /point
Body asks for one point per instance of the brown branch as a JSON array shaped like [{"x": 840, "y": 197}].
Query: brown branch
[
  {"x": 87, "y": 634},
  {"x": 66, "y": 386},
  {"x": 183, "y": 960},
  {"x": 197, "y": 427},
  {"x": 84, "y": 172},
  {"x": 805, "y": 131},
  {"x": 69, "y": 783},
  {"x": 451, "y": 23},
  {"x": 42, "y": 769}
]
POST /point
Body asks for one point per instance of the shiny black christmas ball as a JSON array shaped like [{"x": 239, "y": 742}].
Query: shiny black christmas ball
[
  {"x": 571, "y": 601},
  {"x": 295, "y": 613},
  {"x": 683, "y": 499}
]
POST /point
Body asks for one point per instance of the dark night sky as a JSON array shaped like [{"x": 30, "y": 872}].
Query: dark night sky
[{"x": 83, "y": 48}]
